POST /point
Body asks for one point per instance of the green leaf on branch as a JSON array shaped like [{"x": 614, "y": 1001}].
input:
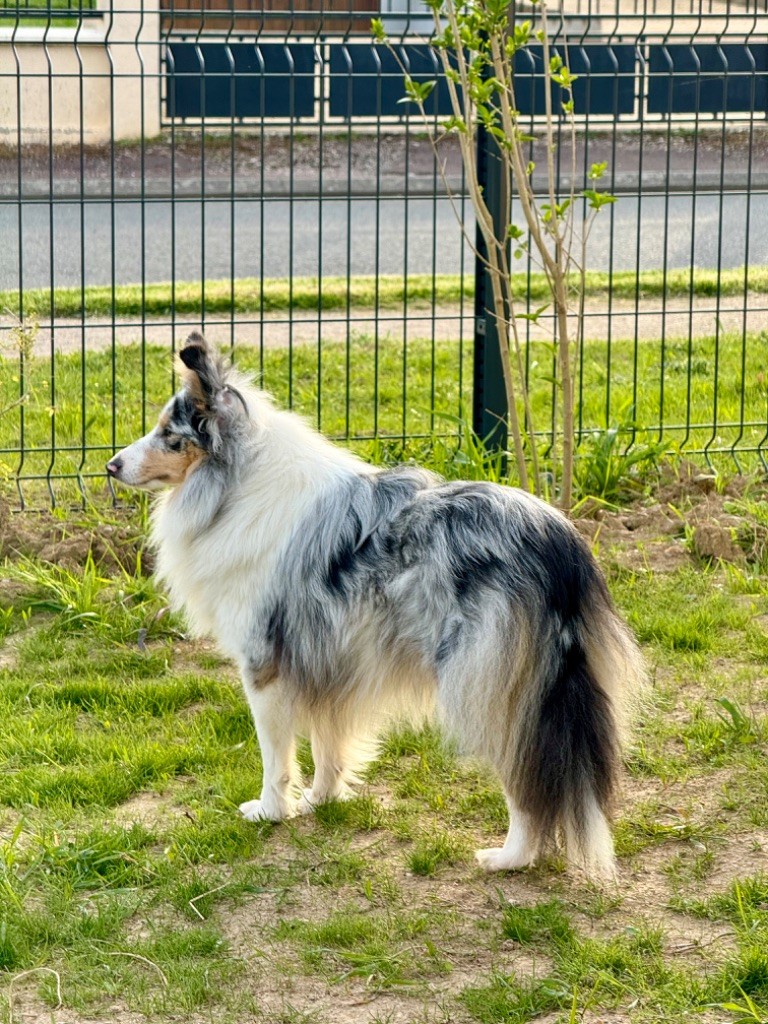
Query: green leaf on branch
[
  {"x": 565, "y": 79},
  {"x": 560, "y": 74},
  {"x": 416, "y": 92},
  {"x": 377, "y": 28},
  {"x": 498, "y": 9},
  {"x": 446, "y": 41},
  {"x": 522, "y": 34},
  {"x": 471, "y": 39},
  {"x": 476, "y": 68},
  {"x": 489, "y": 117},
  {"x": 597, "y": 200},
  {"x": 521, "y": 38},
  {"x": 518, "y": 235},
  {"x": 499, "y": 135},
  {"x": 596, "y": 171},
  {"x": 534, "y": 317},
  {"x": 454, "y": 124},
  {"x": 559, "y": 212},
  {"x": 568, "y": 107},
  {"x": 482, "y": 90}
]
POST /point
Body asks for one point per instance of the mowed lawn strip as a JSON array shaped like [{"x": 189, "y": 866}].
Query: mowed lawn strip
[{"x": 255, "y": 295}]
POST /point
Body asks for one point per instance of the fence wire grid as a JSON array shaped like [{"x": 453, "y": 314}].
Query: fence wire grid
[{"x": 249, "y": 168}]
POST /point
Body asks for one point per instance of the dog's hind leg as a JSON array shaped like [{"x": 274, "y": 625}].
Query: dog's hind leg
[
  {"x": 479, "y": 697},
  {"x": 520, "y": 848},
  {"x": 273, "y": 716}
]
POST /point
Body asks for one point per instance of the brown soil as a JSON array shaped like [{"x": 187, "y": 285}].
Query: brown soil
[
  {"x": 115, "y": 545},
  {"x": 649, "y": 533},
  {"x": 688, "y": 519}
]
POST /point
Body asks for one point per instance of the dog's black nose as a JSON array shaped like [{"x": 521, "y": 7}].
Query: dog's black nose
[{"x": 114, "y": 466}]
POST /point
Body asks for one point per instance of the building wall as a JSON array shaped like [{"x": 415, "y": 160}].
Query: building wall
[{"x": 82, "y": 83}]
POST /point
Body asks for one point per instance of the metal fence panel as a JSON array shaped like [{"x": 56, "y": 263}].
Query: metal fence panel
[{"x": 247, "y": 167}]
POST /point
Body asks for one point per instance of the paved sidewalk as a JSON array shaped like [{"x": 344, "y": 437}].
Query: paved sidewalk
[
  {"x": 370, "y": 164},
  {"x": 647, "y": 322}
]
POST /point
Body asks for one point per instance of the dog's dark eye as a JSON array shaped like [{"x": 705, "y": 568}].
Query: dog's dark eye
[{"x": 174, "y": 443}]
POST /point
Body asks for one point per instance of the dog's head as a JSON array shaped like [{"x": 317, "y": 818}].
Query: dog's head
[{"x": 192, "y": 428}]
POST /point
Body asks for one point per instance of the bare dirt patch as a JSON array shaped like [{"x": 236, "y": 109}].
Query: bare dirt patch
[
  {"x": 685, "y": 521},
  {"x": 277, "y": 979},
  {"x": 145, "y": 808},
  {"x": 114, "y": 545},
  {"x": 9, "y": 654},
  {"x": 689, "y": 519}
]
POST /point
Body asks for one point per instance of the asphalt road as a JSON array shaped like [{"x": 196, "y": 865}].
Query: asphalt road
[{"x": 189, "y": 239}]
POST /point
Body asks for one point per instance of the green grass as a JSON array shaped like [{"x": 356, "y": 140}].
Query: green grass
[
  {"x": 57, "y": 20},
  {"x": 129, "y": 883},
  {"x": 53, "y": 5},
  {"x": 596, "y": 974},
  {"x": 589, "y": 973},
  {"x": 435, "y": 851},
  {"x": 251, "y": 295},
  {"x": 743, "y": 902},
  {"x": 391, "y": 400},
  {"x": 708, "y": 623},
  {"x": 388, "y": 950}
]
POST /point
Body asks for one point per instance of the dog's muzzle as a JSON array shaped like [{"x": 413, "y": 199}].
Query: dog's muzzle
[{"x": 114, "y": 466}]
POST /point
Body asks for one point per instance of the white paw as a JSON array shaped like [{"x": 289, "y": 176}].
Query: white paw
[
  {"x": 311, "y": 800},
  {"x": 503, "y": 859},
  {"x": 264, "y": 810},
  {"x": 307, "y": 802}
]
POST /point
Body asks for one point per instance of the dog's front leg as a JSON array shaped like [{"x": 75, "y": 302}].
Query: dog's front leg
[{"x": 273, "y": 716}]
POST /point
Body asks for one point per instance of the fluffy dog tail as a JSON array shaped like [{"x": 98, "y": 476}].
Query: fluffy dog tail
[{"x": 569, "y": 749}]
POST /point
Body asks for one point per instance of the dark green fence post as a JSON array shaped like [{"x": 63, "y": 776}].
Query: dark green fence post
[{"x": 489, "y": 400}]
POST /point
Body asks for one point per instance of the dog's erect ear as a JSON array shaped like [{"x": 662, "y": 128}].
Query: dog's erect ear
[
  {"x": 203, "y": 374},
  {"x": 219, "y": 404}
]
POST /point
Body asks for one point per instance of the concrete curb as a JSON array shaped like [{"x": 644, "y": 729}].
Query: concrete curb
[{"x": 650, "y": 182}]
